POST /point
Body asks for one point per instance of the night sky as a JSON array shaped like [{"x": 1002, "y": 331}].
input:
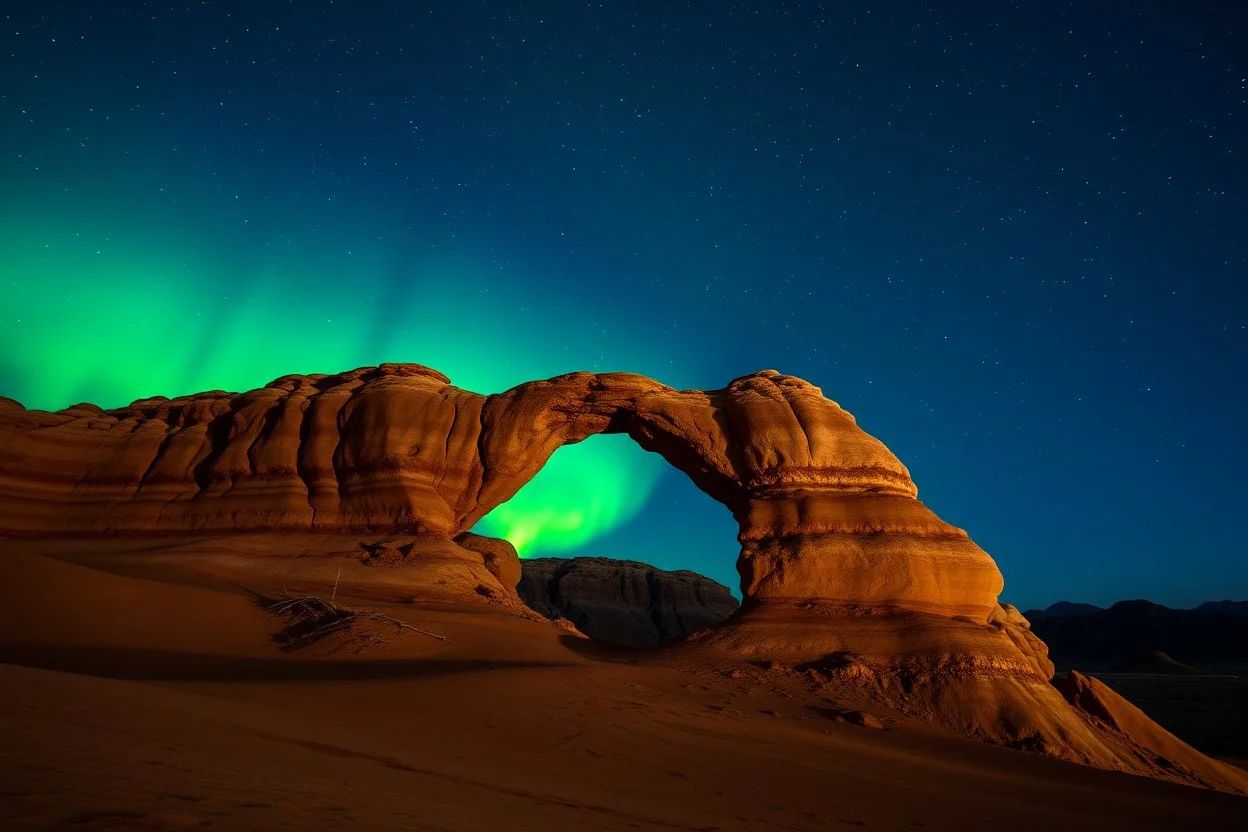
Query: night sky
[{"x": 1010, "y": 239}]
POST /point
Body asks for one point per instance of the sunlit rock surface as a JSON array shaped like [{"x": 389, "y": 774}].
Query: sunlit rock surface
[{"x": 825, "y": 510}]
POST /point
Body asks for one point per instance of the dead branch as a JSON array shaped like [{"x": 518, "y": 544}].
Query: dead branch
[{"x": 333, "y": 618}]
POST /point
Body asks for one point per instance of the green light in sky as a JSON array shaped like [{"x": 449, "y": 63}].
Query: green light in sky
[
  {"x": 109, "y": 315},
  {"x": 584, "y": 491}
]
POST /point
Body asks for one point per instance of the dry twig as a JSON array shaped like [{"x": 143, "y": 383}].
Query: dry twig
[{"x": 330, "y": 618}]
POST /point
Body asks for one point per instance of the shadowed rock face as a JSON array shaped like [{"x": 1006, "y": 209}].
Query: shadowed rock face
[
  {"x": 621, "y": 601},
  {"x": 846, "y": 576}
]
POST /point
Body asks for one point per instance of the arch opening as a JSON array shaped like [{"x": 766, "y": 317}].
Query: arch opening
[{"x": 634, "y": 559}]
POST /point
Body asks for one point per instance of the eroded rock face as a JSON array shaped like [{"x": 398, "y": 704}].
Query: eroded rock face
[
  {"x": 843, "y": 570},
  {"x": 825, "y": 510},
  {"x": 621, "y": 601}
]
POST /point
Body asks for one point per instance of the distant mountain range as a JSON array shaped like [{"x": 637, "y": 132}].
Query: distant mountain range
[
  {"x": 1228, "y": 607},
  {"x": 1065, "y": 608},
  {"x": 1061, "y": 609},
  {"x": 1212, "y": 636}
]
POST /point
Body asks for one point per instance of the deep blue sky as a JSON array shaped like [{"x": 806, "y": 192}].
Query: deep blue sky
[{"x": 1010, "y": 239}]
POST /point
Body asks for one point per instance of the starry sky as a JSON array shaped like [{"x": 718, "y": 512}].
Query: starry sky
[{"x": 1010, "y": 238}]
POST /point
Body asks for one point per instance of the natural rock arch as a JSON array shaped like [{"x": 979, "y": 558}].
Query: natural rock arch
[
  {"x": 847, "y": 578},
  {"x": 825, "y": 510}
]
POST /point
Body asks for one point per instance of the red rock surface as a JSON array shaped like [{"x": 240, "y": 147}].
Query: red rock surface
[{"x": 825, "y": 510}]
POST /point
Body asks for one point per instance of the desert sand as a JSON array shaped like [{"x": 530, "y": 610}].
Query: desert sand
[{"x": 164, "y": 702}]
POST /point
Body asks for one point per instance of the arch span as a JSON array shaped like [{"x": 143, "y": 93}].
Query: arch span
[{"x": 825, "y": 511}]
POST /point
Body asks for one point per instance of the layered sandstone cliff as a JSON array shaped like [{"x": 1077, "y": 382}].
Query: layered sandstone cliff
[{"x": 825, "y": 510}]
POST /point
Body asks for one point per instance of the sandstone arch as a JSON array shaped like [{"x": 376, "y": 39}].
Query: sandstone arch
[
  {"x": 825, "y": 510},
  {"x": 846, "y": 576}
]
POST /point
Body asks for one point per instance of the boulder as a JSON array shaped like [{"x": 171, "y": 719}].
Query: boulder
[{"x": 624, "y": 602}]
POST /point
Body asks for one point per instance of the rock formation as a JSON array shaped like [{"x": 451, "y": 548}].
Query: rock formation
[
  {"x": 623, "y": 602},
  {"x": 842, "y": 569},
  {"x": 825, "y": 510}
]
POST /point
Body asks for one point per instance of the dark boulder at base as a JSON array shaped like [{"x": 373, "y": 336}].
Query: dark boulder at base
[{"x": 623, "y": 602}]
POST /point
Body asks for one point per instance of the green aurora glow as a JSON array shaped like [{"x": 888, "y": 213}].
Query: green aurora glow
[{"x": 106, "y": 316}]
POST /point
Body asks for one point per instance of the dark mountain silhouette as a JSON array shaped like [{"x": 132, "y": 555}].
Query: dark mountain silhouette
[
  {"x": 1105, "y": 639},
  {"x": 1061, "y": 609},
  {"x": 1228, "y": 607}
]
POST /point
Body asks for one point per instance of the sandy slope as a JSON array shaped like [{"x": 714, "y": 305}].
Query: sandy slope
[{"x": 132, "y": 703}]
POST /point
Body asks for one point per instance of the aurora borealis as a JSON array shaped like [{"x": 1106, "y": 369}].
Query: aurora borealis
[
  {"x": 1011, "y": 243},
  {"x": 114, "y": 286},
  {"x": 78, "y": 344}
]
